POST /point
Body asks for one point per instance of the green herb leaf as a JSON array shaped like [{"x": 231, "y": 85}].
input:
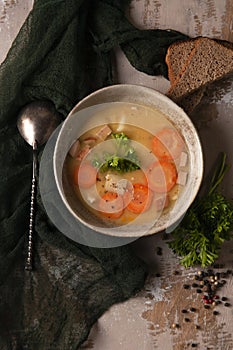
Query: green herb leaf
[
  {"x": 206, "y": 225},
  {"x": 123, "y": 160}
]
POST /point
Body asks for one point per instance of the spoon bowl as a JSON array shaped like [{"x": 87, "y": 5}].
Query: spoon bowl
[{"x": 37, "y": 121}]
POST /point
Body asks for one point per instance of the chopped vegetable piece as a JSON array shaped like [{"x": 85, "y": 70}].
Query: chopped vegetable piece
[
  {"x": 85, "y": 175},
  {"x": 182, "y": 178},
  {"x": 122, "y": 186},
  {"x": 89, "y": 141},
  {"x": 160, "y": 202},
  {"x": 104, "y": 132},
  {"x": 91, "y": 195},
  {"x": 167, "y": 144},
  {"x": 141, "y": 200},
  {"x": 183, "y": 159},
  {"x": 111, "y": 181},
  {"x": 83, "y": 152},
  {"x": 115, "y": 183},
  {"x": 111, "y": 205},
  {"x": 74, "y": 149},
  {"x": 162, "y": 176}
]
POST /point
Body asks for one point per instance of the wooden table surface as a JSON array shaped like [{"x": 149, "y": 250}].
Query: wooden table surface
[{"x": 145, "y": 322}]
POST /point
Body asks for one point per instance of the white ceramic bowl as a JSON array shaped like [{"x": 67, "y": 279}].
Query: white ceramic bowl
[{"x": 80, "y": 119}]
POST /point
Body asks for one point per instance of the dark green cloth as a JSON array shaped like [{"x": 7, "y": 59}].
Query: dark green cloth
[{"x": 62, "y": 52}]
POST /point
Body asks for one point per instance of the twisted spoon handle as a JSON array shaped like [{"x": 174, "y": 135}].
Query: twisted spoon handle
[{"x": 28, "y": 265}]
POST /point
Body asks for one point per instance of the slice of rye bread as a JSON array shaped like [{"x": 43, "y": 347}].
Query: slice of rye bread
[
  {"x": 190, "y": 101},
  {"x": 177, "y": 56},
  {"x": 207, "y": 62},
  {"x": 176, "y": 59}
]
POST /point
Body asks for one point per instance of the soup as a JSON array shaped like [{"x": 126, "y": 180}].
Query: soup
[{"x": 124, "y": 173}]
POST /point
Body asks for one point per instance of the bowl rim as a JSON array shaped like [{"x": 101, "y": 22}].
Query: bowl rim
[{"x": 81, "y": 105}]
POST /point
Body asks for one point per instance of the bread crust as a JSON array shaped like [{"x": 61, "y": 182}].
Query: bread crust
[{"x": 175, "y": 68}]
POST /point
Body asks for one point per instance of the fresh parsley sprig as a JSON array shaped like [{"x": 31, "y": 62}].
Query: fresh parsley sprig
[
  {"x": 206, "y": 225},
  {"x": 123, "y": 160}
]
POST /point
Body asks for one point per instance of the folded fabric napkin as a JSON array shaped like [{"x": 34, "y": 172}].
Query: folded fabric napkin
[{"x": 62, "y": 53}]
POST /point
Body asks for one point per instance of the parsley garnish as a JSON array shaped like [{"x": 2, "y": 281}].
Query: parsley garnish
[
  {"x": 123, "y": 160},
  {"x": 206, "y": 225}
]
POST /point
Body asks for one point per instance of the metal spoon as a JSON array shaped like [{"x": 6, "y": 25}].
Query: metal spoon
[{"x": 36, "y": 122}]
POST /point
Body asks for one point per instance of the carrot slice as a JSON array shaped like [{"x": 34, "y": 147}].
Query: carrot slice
[
  {"x": 162, "y": 176},
  {"x": 85, "y": 175},
  {"x": 141, "y": 199},
  {"x": 161, "y": 201},
  {"x": 111, "y": 205},
  {"x": 167, "y": 144}
]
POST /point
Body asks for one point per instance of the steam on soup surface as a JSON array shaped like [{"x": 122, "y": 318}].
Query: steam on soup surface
[{"x": 122, "y": 172}]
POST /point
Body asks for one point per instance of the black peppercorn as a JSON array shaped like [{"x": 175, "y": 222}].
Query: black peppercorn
[
  {"x": 224, "y": 298},
  {"x": 198, "y": 291},
  {"x": 186, "y": 286},
  {"x": 184, "y": 311},
  {"x": 227, "y": 304},
  {"x": 194, "y": 285},
  {"x": 193, "y": 309},
  {"x": 176, "y": 273},
  {"x": 215, "y": 312},
  {"x": 159, "y": 251}
]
